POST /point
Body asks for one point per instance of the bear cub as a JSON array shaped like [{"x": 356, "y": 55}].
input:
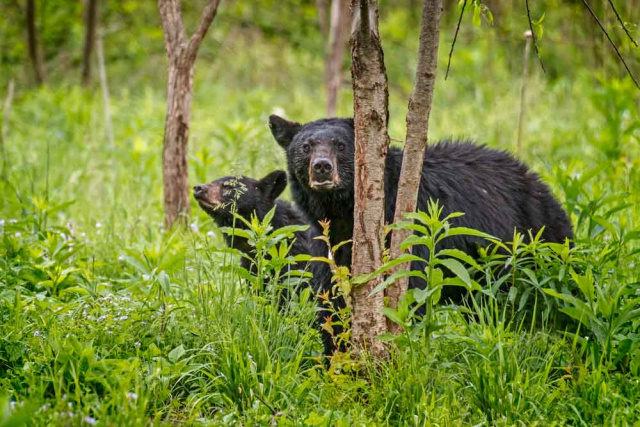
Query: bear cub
[{"x": 245, "y": 196}]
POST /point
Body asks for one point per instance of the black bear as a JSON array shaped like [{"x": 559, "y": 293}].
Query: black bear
[
  {"x": 246, "y": 196},
  {"x": 496, "y": 192}
]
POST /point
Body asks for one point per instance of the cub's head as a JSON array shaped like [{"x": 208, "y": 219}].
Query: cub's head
[
  {"x": 319, "y": 154},
  {"x": 242, "y": 195}
]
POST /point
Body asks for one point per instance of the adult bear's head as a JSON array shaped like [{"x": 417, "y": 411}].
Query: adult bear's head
[{"x": 320, "y": 153}]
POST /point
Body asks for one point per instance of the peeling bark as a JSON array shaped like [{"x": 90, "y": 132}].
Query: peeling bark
[{"x": 370, "y": 104}]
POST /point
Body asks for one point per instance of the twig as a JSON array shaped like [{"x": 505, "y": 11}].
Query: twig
[
  {"x": 535, "y": 40},
  {"x": 612, "y": 43},
  {"x": 624, "y": 27},
  {"x": 455, "y": 37}
]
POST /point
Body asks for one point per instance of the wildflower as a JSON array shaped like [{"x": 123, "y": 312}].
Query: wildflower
[
  {"x": 124, "y": 317},
  {"x": 18, "y": 234},
  {"x": 13, "y": 221},
  {"x": 83, "y": 234},
  {"x": 13, "y": 404},
  {"x": 132, "y": 396},
  {"x": 631, "y": 264},
  {"x": 102, "y": 318},
  {"x": 194, "y": 227},
  {"x": 120, "y": 258},
  {"x": 109, "y": 332},
  {"x": 1, "y": 222},
  {"x": 90, "y": 420},
  {"x": 211, "y": 234},
  {"x": 98, "y": 224},
  {"x": 36, "y": 334},
  {"x": 64, "y": 236},
  {"x": 137, "y": 344}
]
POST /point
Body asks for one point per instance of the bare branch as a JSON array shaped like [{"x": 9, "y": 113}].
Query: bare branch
[
  {"x": 624, "y": 27},
  {"x": 171, "y": 16},
  {"x": 455, "y": 37},
  {"x": 612, "y": 43},
  {"x": 535, "y": 39},
  {"x": 208, "y": 14}
]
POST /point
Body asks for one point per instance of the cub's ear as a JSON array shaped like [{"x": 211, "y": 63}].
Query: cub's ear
[
  {"x": 273, "y": 184},
  {"x": 283, "y": 130}
]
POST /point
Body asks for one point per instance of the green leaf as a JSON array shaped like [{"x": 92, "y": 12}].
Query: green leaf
[
  {"x": 175, "y": 354},
  {"x": 456, "y": 253},
  {"x": 458, "y": 269}
]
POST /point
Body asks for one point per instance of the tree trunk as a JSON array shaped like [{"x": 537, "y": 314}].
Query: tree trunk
[
  {"x": 370, "y": 105},
  {"x": 89, "y": 39},
  {"x": 32, "y": 42},
  {"x": 323, "y": 9},
  {"x": 337, "y": 45},
  {"x": 417, "y": 131},
  {"x": 181, "y": 53},
  {"x": 176, "y": 137}
]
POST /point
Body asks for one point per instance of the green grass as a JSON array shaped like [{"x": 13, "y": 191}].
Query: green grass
[{"x": 106, "y": 315}]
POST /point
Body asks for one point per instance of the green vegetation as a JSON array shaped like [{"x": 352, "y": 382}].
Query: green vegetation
[{"x": 107, "y": 318}]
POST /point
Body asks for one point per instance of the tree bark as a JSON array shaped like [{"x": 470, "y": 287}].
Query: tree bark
[
  {"x": 370, "y": 105},
  {"x": 32, "y": 42},
  {"x": 89, "y": 40},
  {"x": 417, "y": 131},
  {"x": 181, "y": 53},
  {"x": 338, "y": 34}
]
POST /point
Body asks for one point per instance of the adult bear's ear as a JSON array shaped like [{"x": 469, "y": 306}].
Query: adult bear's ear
[
  {"x": 273, "y": 184},
  {"x": 283, "y": 130}
]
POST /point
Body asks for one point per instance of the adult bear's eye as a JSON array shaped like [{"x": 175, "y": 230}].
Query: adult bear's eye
[
  {"x": 306, "y": 147},
  {"x": 341, "y": 146}
]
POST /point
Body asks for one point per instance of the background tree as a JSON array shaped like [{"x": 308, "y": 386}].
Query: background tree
[
  {"x": 370, "y": 107},
  {"x": 181, "y": 52},
  {"x": 338, "y": 34},
  {"x": 32, "y": 42},
  {"x": 89, "y": 40}
]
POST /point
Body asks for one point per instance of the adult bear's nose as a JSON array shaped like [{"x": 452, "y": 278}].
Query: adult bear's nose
[
  {"x": 322, "y": 166},
  {"x": 199, "y": 190}
]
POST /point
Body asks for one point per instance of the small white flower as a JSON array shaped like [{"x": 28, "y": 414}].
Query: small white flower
[
  {"x": 13, "y": 405},
  {"x": 90, "y": 420},
  {"x": 124, "y": 317},
  {"x": 64, "y": 236},
  {"x": 132, "y": 396},
  {"x": 18, "y": 234},
  {"x": 13, "y": 221},
  {"x": 211, "y": 234},
  {"x": 1, "y": 222},
  {"x": 83, "y": 234},
  {"x": 137, "y": 344},
  {"x": 36, "y": 334},
  {"x": 102, "y": 318},
  {"x": 98, "y": 224},
  {"x": 109, "y": 332},
  {"x": 70, "y": 405},
  {"x": 120, "y": 258},
  {"x": 194, "y": 227},
  {"x": 632, "y": 264}
]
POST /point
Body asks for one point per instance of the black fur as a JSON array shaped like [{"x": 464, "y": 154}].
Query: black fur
[
  {"x": 496, "y": 192},
  {"x": 248, "y": 196}
]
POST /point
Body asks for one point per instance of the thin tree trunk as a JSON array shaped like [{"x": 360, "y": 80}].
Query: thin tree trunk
[
  {"x": 370, "y": 105},
  {"x": 523, "y": 90},
  {"x": 338, "y": 34},
  {"x": 32, "y": 42},
  {"x": 417, "y": 132},
  {"x": 181, "y": 53},
  {"x": 102, "y": 71},
  {"x": 6, "y": 114},
  {"x": 89, "y": 38}
]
